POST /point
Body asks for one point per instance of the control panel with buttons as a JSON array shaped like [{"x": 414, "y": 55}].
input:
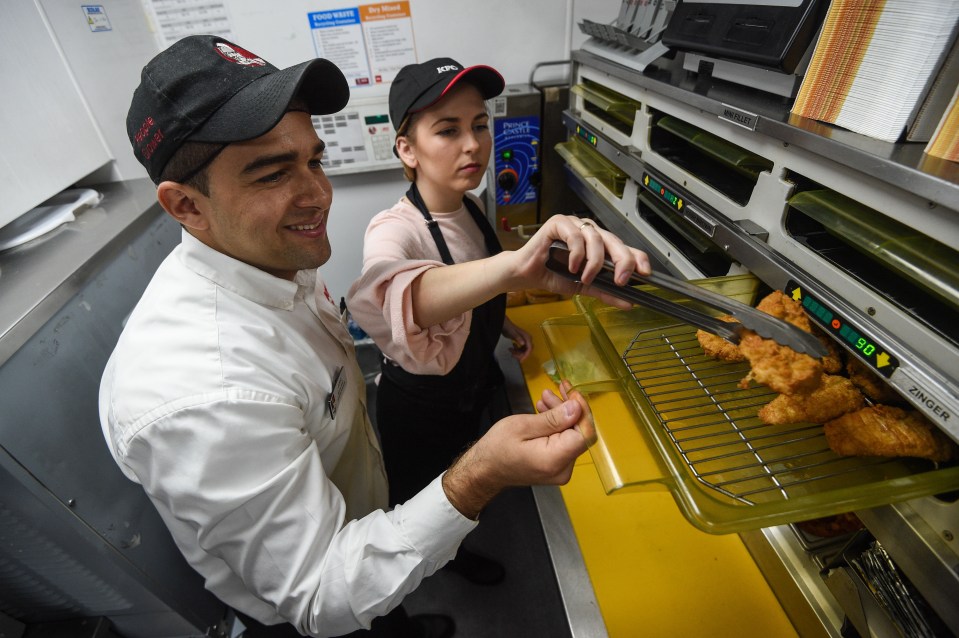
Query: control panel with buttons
[
  {"x": 359, "y": 138},
  {"x": 516, "y": 159}
]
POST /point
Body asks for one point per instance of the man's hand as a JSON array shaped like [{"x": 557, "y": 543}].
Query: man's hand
[
  {"x": 585, "y": 425},
  {"x": 523, "y": 449}
]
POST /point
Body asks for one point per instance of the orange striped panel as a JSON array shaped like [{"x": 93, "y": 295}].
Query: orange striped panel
[
  {"x": 945, "y": 143},
  {"x": 846, "y": 35}
]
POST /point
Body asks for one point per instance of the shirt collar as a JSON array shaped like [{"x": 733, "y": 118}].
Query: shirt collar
[{"x": 243, "y": 279}]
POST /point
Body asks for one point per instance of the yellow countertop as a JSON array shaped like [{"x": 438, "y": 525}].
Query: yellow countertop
[{"x": 653, "y": 573}]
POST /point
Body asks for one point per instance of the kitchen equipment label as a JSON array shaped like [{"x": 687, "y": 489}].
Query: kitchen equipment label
[
  {"x": 96, "y": 17},
  {"x": 739, "y": 117},
  {"x": 516, "y": 158},
  {"x": 928, "y": 397}
]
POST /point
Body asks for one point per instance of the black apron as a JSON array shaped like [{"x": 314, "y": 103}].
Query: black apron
[{"x": 469, "y": 383}]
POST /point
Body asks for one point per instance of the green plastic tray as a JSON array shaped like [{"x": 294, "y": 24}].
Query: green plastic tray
[
  {"x": 918, "y": 257},
  {"x": 590, "y": 163},
  {"x": 615, "y": 104},
  {"x": 735, "y": 157},
  {"x": 690, "y": 429}
]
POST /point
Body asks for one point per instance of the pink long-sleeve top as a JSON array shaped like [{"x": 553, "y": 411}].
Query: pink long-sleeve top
[{"x": 398, "y": 248}]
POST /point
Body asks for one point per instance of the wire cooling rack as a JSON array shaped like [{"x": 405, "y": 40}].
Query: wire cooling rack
[{"x": 713, "y": 425}]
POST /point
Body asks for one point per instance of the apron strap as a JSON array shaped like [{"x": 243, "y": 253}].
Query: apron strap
[
  {"x": 468, "y": 384},
  {"x": 413, "y": 194},
  {"x": 489, "y": 235}
]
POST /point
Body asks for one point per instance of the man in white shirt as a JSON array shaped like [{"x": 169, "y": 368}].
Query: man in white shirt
[{"x": 233, "y": 395}]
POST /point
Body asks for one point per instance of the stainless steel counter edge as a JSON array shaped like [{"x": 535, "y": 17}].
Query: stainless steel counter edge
[
  {"x": 37, "y": 278},
  {"x": 576, "y": 590}
]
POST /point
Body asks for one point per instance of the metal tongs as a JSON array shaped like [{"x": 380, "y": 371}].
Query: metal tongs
[{"x": 749, "y": 318}]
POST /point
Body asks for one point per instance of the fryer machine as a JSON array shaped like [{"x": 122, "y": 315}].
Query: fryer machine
[{"x": 719, "y": 184}]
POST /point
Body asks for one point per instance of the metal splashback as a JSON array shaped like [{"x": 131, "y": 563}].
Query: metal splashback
[{"x": 80, "y": 539}]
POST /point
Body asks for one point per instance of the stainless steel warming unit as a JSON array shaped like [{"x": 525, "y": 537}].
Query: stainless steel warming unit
[
  {"x": 527, "y": 124},
  {"x": 717, "y": 181}
]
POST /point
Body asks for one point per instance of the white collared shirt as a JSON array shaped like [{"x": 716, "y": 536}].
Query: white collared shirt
[{"x": 216, "y": 400}]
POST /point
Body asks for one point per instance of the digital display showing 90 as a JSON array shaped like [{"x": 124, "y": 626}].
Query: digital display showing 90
[{"x": 869, "y": 349}]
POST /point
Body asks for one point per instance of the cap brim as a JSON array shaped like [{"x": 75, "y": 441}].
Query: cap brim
[
  {"x": 261, "y": 104},
  {"x": 485, "y": 78}
]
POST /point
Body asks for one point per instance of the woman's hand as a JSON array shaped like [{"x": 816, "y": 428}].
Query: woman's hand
[
  {"x": 589, "y": 246},
  {"x": 522, "y": 341}
]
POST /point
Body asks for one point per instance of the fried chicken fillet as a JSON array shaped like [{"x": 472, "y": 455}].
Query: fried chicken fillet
[
  {"x": 718, "y": 348},
  {"x": 834, "y": 397},
  {"x": 883, "y": 430},
  {"x": 779, "y": 367},
  {"x": 789, "y": 310},
  {"x": 869, "y": 383},
  {"x": 832, "y": 362},
  {"x": 782, "y": 307},
  {"x": 831, "y": 526}
]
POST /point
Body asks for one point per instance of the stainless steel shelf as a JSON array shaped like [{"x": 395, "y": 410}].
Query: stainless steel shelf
[
  {"x": 904, "y": 165},
  {"x": 37, "y": 277}
]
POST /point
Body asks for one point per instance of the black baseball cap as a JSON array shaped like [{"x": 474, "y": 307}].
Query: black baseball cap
[
  {"x": 418, "y": 86},
  {"x": 203, "y": 88}
]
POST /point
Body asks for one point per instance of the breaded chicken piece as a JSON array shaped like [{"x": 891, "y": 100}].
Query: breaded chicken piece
[
  {"x": 718, "y": 348},
  {"x": 834, "y": 397},
  {"x": 831, "y": 526},
  {"x": 832, "y": 362},
  {"x": 779, "y": 367},
  {"x": 883, "y": 430},
  {"x": 782, "y": 307},
  {"x": 869, "y": 383},
  {"x": 789, "y": 310}
]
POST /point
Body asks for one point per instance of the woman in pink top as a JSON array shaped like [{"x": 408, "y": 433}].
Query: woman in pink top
[
  {"x": 437, "y": 383},
  {"x": 439, "y": 371}
]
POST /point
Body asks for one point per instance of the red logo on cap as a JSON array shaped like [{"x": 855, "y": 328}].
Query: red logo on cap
[{"x": 237, "y": 55}]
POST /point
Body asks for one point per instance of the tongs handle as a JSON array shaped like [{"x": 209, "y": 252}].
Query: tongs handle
[{"x": 763, "y": 324}]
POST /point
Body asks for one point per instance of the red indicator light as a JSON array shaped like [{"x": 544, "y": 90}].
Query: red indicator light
[{"x": 836, "y": 324}]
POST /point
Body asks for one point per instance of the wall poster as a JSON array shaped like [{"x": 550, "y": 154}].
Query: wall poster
[
  {"x": 177, "y": 19},
  {"x": 369, "y": 43}
]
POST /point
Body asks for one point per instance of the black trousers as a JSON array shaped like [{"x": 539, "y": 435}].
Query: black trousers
[
  {"x": 395, "y": 624},
  {"x": 420, "y": 439}
]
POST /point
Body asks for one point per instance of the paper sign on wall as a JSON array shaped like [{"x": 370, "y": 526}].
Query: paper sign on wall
[
  {"x": 177, "y": 19},
  {"x": 369, "y": 43}
]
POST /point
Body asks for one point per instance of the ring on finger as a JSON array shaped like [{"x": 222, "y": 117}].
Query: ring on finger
[{"x": 586, "y": 224}]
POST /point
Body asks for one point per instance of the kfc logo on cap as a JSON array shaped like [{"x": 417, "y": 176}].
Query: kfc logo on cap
[
  {"x": 448, "y": 67},
  {"x": 237, "y": 55}
]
